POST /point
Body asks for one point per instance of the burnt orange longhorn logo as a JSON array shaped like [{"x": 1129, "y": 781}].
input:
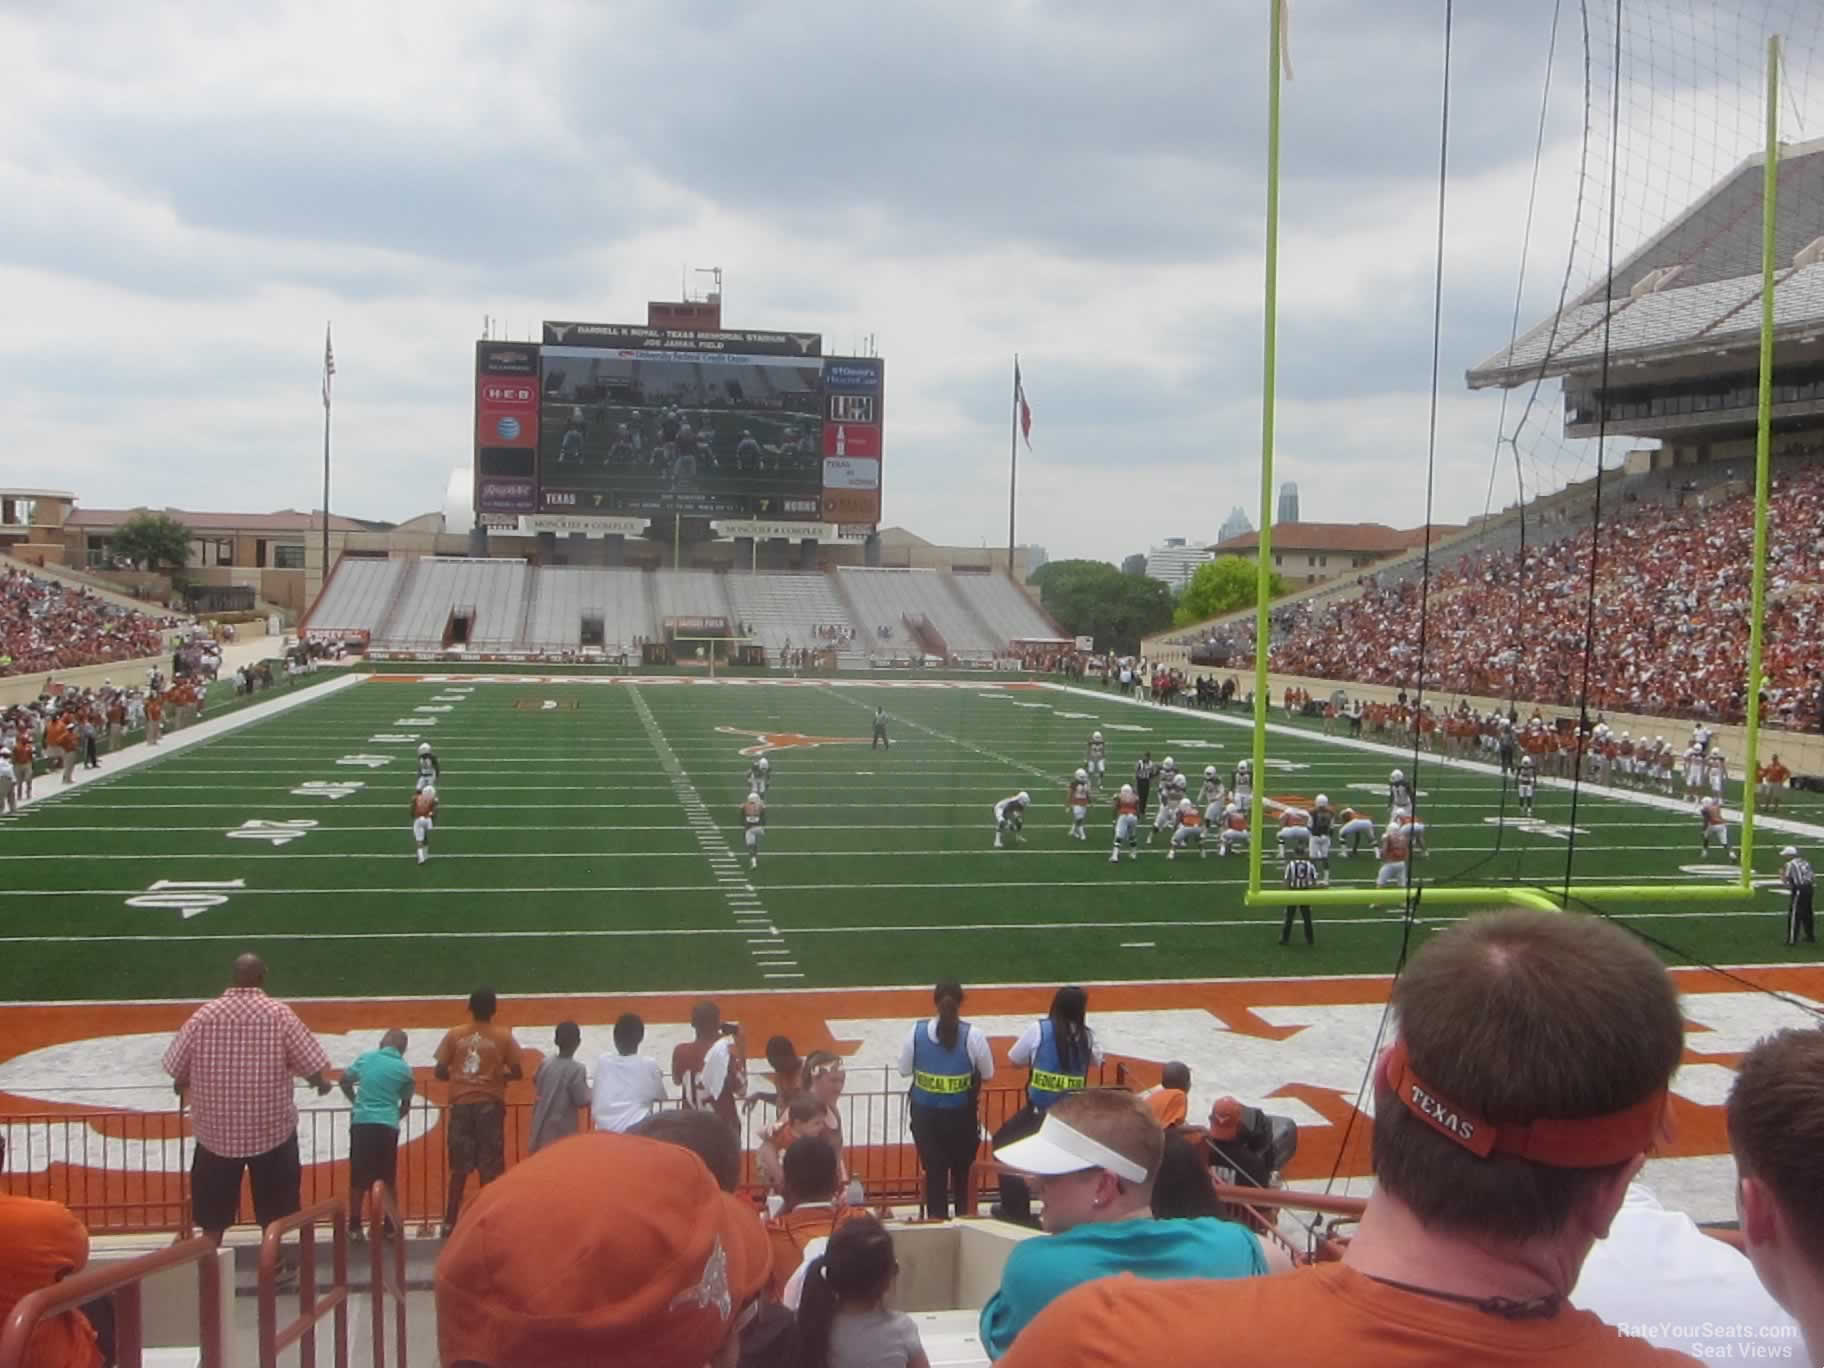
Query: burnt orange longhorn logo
[{"x": 765, "y": 741}]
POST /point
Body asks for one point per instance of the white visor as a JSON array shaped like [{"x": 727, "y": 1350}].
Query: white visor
[{"x": 1059, "y": 1149}]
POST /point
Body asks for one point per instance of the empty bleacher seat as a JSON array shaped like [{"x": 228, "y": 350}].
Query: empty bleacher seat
[{"x": 358, "y": 595}]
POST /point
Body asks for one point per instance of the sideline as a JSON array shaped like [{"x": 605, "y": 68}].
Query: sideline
[
  {"x": 1653, "y": 800},
  {"x": 50, "y": 786}
]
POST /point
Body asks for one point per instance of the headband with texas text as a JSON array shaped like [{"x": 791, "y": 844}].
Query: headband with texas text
[{"x": 1586, "y": 1142}]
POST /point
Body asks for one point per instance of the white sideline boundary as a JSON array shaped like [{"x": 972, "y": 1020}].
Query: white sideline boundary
[
  {"x": 1651, "y": 800},
  {"x": 50, "y": 786}
]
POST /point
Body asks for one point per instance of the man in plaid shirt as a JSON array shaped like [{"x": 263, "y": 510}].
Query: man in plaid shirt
[{"x": 233, "y": 1063}]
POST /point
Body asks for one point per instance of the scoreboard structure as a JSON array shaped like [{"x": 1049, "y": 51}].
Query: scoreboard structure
[{"x": 623, "y": 422}]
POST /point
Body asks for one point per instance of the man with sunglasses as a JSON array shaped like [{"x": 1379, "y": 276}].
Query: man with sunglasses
[{"x": 1094, "y": 1160}]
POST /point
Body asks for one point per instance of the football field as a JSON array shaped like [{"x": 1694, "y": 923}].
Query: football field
[{"x": 589, "y": 841}]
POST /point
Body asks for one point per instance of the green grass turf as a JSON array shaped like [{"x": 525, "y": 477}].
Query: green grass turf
[{"x": 565, "y": 861}]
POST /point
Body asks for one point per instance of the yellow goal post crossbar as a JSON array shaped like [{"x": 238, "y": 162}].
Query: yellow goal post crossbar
[{"x": 1739, "y": 890}]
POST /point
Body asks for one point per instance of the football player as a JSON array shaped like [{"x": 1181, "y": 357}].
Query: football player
[
  {"x": 1188, "y": 830},
  {"x": 1096, "y": 761},
  {"x": 1716, "y": 767},
  {"x": 1294, "y": 832},
  {"x": 1396, "y": 854},
  {"x": 1078, "y": 805},
  {"x": 1171, "y": 793},
  {"x": 429, "y": 772},
  {"x": 1010, "y": 816},
  {"x": 1526, "y": 783},
  {"x": 1241, "y": 784},
  {"x": 1211, "y": 797},
  {"x": 1710, "y": 814},
  {"x": 424, "y": 820},
  {"x": 1354, "y": 827},
  {"x": 1234, "y": 830},
  {"x": 1323, "y": 822},
  {"x": 1694, "y": 771},
  {"x": 1127, "y": 820},
  {"x": 1399, "y": 792},
  {"x": 757, "y": 775},
  {"x": 753, "y": 823}
]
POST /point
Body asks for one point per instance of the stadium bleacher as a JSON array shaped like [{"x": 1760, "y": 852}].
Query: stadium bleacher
[
  {"x": 357, "y": 595},
  {"x": 787, "y": 610},
  {"x": 45, "y": 625},
  {"x": 1004, "y": 607},
  {"x": 887, "y": 598}
]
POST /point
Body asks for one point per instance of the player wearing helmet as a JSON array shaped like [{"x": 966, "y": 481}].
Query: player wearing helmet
[
  {"x": 1096, "y": 760},
  {"x": 1526, "y": 783},
  {"x": 1127, "y": 819},
  {"x": 1399, "y": 792},
  {"x": 1354, "y": 827},
  {"x": 1323, "y": 822},
  {"x": 1210, "y": 796},
  {"x": 424, "y": 819},
  {"x": 1396, "y": 854},
  {"x": 1234, "y": 830},
  {"x": 429, "y": 772},
  {"x": 1171, "y": 793},
  {"x": 1241, "y": 784},
  {"x": 1077, "y": 803},
  {"x": 757, "y": 775},
  {"x": 753, "y": 823},
  {"x": 1294, "y": 832},
  {"x": 1010, "y": 816},
  {"x": 1710, "y": 815},
  {"x": 1188, "y": 831}
]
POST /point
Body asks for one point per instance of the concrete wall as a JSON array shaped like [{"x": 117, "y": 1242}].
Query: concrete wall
[
  {"x": 168, "y": 1301},
  {"x": 950, "y": 1264},
  {"x": 1800, "y": 752}
]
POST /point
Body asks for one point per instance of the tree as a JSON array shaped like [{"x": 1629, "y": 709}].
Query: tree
[
  {"x": 1134, "y": 564},
  {"x": 1093, "y": 598},
  {"x": 1223, "y": 585},
  {"x": 155, "y": 540}
]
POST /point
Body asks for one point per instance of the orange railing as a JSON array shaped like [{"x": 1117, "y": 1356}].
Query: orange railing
[
  {"x": 123, "y": 1283},
  {"x": 302, "y": 1331},
  {"x": 384, "y": 1216}
]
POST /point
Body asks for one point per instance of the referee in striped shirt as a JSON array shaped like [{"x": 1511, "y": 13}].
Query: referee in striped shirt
[
  {"x": 1301, "y": 873},
  {"x": 1797, "y": 877}
]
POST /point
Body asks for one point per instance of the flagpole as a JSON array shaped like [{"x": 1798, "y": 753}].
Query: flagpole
[
  {"x": 1013, "y": 458},
  {"x": 326, "y": 378}
]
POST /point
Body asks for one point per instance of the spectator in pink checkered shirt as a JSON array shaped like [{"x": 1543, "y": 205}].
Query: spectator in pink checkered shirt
[{"x": 233, "y": 1062}]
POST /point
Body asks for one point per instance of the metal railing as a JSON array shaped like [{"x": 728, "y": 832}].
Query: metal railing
[
  {"x": 384, "y": 1217},
  {"x": 302, "y": 1331},
  {"x": 123, "y": 1283},
  {"x": 124, "y": 1172}
]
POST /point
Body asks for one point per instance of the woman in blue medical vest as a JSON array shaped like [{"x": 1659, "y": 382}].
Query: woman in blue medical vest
[
  {"x": 1060, "y": 1050},
  {"x": 947, "y": 1060}
]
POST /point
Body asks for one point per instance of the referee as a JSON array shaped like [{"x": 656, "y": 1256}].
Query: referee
[
  {"x": 1797, "y": 877},
  {"x": 1301, "y": 873},
  {"x": 1144, "y": 770}
]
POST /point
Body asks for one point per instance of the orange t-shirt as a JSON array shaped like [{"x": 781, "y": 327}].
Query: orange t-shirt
[
  {"x": 1168, "y": 1104},
  {"x": 792, "y": 1231},
  {"x": 41, "y": 1242},
  {"x": 477, "y": 1055},
  {"x": 1324, "y": 1314}
]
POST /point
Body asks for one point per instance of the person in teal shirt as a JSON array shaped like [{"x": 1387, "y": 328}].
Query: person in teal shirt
[
  {"x": 1094, "y": 1161},
  {"x": 380, "y": 1085}
]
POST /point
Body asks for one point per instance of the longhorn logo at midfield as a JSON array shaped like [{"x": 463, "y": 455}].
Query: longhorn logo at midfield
[{"x": 765, "y": 741}]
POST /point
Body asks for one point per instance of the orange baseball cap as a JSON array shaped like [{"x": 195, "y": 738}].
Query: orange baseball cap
[
  {"x": 1225, "y": 1119},
  {"x": 603, "y": 1248}
]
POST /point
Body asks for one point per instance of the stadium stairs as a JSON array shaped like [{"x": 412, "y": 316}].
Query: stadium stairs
[
  {"x": 864, "y": 633},
  {"x": 971, "y": 610}
]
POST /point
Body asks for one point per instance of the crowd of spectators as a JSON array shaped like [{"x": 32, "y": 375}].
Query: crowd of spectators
[
  {"x": 1668, "y": 637},
  {"x": 46, "y": 625}
]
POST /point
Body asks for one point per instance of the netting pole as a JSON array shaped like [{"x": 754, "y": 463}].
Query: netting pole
[
  {"x": 1763, "y": 443},
  {"x": 1263, "y": 566}
]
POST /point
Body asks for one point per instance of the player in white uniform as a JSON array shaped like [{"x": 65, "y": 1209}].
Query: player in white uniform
[
  {"x": 757, "y": 775},
  {"x": 1171, "y": 793},
  {"x": 1096, "y": 761},
  {"x": 1242, "y": 784},
  {"x": 1189, "y": 830},
  {"x": 1127, "y": 822},
  {"x": 1010, "y": 816},
  {"x": 1710, "y": 814},
  {"x": 430, "y": 773},
  {"x": 1399, "y": 791},
  {"x": 1211, "y": 798},
  {"x": 1354, "y": 827},
  {"x": 753, "y": 823},
  {"x": 1694, "y": 771},
  {"x": 1526, "y": 783},
  {"x": 1716, "y": 766},
  {"x": 1079, "y": 805}
]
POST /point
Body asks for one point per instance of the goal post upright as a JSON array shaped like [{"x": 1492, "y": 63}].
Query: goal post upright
[{"x": 1263, "y": 563}]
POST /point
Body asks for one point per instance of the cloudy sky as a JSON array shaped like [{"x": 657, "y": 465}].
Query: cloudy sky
[{"x": 192, "y": 190}]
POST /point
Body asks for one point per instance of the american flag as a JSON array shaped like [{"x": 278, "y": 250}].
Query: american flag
[
  {"x": 329, "y": 364},
  {"x": 1019, "y": 399}
]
